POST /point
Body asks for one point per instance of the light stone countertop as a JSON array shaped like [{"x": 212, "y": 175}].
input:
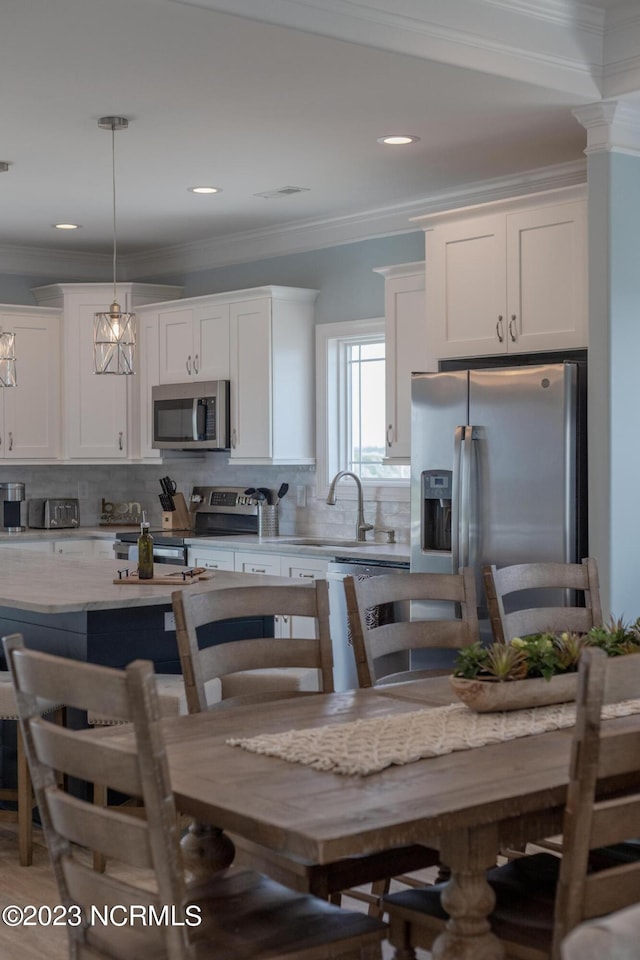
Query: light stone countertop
[
  {"x": 51, "y": 584},
  {"x": 386, "y": 552}
]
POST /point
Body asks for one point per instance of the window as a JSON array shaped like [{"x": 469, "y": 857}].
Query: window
[{"x": 351, "y": 403}]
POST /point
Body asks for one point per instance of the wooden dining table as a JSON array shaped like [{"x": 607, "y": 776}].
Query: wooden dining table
[{"x": 469, "y": 804}]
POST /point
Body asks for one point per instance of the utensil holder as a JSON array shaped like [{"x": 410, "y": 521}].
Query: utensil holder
[{"x": 268, "y": 519}]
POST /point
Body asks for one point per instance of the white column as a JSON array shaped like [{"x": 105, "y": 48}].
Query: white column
[{"x": 613, "y": 176}]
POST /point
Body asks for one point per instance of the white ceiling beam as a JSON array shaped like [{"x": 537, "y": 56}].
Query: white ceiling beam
[{"x": 556, "y": 44}]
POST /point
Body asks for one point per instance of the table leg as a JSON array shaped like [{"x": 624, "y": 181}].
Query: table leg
[
  {"x": 468, "y": 898},
  {"x": 205, "y": 850}
]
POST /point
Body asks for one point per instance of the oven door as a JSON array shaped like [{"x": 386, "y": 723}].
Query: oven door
[{"x": 124, "y": 550}]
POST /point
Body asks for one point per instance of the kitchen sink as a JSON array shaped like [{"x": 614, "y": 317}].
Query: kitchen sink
[{"x": 327, "y": 542}]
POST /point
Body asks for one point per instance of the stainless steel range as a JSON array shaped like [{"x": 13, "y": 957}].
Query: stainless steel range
[{"x": 216, "y": 512}]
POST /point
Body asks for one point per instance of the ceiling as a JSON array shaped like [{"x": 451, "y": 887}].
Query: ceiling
[{"x": 251, "y": 106}]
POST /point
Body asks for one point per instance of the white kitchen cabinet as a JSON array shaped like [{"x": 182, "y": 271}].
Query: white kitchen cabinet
[
  {"x": 149, "y": 376},
  {"x": 305, "y": 569},
  {"x": 272, "y": 382},
  {"x": 510, "y": 277},
  {"x": 33, "y": 546},
  {"x": 30, "y": 411},
  {"x": 246, "y": 562},
  {"x": 98, "y": 411},
  {"x": 74, "y": 548},
  {"x": 194, "y": 340},
  {"x": 210, "y": 558},
  {"x": 405, "y": 351},
  {"x": 103, "y": 549}
]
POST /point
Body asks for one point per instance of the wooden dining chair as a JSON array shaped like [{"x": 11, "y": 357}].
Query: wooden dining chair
[
  {"x": 375, "y": 641},
  {"x": 255, "y": 672},
  {"x": 244, "y": 916},
  {"x": 516, "y": 611},
  {"x": 540, "y": 898}
]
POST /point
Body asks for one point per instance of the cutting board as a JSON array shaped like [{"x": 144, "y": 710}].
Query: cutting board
[{"x": 175, "y": 579}]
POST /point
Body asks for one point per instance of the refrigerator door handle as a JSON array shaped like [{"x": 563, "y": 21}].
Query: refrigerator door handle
[
  {"x": 458, "y": 440},
  {"x": 464, "y": 510}
]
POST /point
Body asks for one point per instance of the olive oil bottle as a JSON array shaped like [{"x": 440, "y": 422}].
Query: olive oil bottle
[{"x": 145, "y": 551}]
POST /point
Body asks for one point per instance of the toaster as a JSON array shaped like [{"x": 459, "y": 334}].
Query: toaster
[{"x": 53, "y": 513}]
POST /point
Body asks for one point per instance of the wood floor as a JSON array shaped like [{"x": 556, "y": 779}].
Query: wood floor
[{"x": 35, "y": 885}]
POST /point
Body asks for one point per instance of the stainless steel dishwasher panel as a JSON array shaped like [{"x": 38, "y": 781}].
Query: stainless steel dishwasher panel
[{"x": 345, "y": 676}]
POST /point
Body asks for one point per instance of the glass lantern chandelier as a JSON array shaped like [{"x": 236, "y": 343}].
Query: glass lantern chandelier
[
  {"x": 114, "y": 330},
  {"x": 8, "y": 360}
]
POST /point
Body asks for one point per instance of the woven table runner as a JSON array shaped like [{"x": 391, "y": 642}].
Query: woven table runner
[{"x": 368, "y": 746}]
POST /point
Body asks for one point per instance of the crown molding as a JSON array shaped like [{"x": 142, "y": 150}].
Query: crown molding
[
  {"x": 612, "y": 126},
  {"x": 285, "y": 240},
  {"x": 563, "y": 50},
  {"x": 61, "y": 264},
  {"x": 308, "y": 235}
]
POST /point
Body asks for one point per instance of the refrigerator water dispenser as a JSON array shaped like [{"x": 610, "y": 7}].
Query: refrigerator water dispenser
[{"x": 436, "y": 509}]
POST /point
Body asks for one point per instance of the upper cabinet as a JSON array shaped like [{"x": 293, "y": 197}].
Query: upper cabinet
[
  {"x": 405, "y": 351},
  {"x": 272, "y": 383},
  {"x": 30, "y": 411},
  {"x": 261, "y": 340},
  {"x": 509, "y": 277},
  {"x": 99, "y": 412},
  {"x": 194, "y": 340}
]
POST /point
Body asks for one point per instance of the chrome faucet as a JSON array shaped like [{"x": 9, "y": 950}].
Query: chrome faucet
[{"x": 361, "y": 526}]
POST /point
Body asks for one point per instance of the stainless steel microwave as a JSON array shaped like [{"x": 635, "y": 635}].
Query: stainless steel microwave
[{"x": 190, "y": 416}]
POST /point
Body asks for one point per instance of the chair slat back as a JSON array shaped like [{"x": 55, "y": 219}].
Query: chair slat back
[
  {"x": 152, "y": 843},
  {"x": 599, "y": 812},
  {"x": 373, "y": 640},
  {"x": 508, "y": 622},
  {"x": 200, "y": 666}
]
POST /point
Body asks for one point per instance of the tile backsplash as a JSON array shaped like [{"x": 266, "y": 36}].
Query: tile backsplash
[{"x": 124, "y": 483}]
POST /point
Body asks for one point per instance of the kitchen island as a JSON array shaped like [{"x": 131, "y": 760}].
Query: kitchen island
[{"x": 71, "y": 607}]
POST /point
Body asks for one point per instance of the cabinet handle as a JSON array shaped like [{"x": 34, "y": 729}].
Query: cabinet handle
[
  {"x": 188, "y": 364},
  {"x": 195, "y": 364},
  {"x": 10, "y": 440},
  {"x": 285, "y": 619},
  {"x": 389, "y": 429},
  {"x": 306, "y": 576},
  {"x": 210, "y": 565},
  {"x": 513, "y": 331},
  {"x": 258, "y": 570},
  {"x": 120, "y": 440},
  {"x": 233, "y": 439},
  {"x": 499, "y": 330}
]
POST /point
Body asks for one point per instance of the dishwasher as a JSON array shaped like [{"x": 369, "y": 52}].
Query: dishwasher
[{"x": 344, "y": 665}]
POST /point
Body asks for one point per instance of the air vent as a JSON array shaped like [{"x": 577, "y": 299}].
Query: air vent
[{"x": 281, "y": 192}]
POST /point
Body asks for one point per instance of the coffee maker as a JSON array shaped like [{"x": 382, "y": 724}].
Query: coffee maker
[{"x": 11, "y": 499}]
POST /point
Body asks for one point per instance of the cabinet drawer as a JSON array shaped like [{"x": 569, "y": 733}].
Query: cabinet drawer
[
  {"x": 303, "y": 568},
  {"x": 258, "y": 563},
  {"x": 210, "y": 559}
]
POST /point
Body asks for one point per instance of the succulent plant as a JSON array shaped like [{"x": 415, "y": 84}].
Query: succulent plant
[{"x": 545, "y": 654}]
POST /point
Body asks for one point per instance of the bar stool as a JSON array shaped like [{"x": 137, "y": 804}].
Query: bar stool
[{"x": 22, "y": 794}]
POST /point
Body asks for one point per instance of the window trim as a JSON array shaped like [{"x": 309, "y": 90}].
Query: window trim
[{"x": 328, "y": 382}]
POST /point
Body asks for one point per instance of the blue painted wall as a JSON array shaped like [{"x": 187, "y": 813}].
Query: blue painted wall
[{"x": 349, "y": 290}]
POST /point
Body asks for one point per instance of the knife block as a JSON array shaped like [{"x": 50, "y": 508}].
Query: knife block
[{"x": 178, "y": 519}]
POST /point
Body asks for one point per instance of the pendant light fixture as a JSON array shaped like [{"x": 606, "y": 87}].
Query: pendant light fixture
[
  {"x": 114, "y": 331},
  {"x": 8, "y": 360}
]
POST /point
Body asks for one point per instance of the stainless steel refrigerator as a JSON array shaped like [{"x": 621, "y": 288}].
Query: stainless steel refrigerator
[{"x": 498, "y": 467}]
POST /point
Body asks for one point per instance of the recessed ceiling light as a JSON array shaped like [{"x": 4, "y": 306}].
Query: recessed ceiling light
[
  {"x": 398, "y": 139},
  {"x": 67, "y": 226},
  {"x": 204, "y": 190}
]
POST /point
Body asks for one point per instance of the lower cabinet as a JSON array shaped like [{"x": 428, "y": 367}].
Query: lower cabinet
[
  {"x": 271, "y": 564},
  {"x": 210, "y": 559},
  {"x": 101, "y": 549}
]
